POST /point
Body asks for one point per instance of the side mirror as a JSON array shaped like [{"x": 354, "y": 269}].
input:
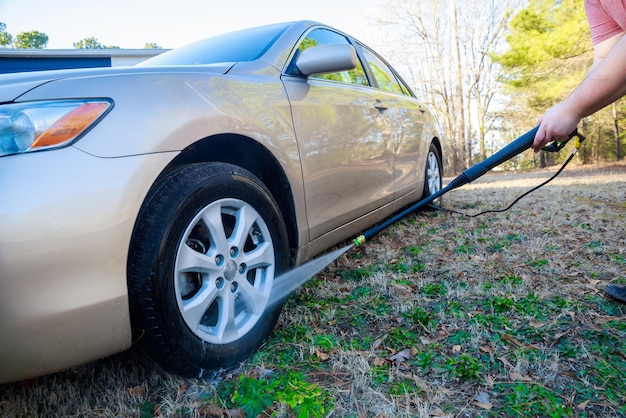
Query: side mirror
[{"x": 329, "y": 58}]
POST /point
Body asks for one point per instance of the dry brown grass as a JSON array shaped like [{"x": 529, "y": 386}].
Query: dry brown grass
[{"x": 439, "y": 315}]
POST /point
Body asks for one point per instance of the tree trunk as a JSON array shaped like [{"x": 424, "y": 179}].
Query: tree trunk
[
  {"x": 458, "y": 95},
  {"x": 618, "y": 140}
]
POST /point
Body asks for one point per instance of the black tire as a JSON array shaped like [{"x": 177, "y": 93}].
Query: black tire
[
  {"x": 433, "y": 174},
  {"x": 199, "y": 289}
]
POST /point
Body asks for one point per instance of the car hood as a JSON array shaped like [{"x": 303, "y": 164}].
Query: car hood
[{"x": 12, "y": 86}]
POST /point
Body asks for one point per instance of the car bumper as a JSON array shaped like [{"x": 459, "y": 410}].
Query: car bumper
[{"x": 66, "y": 219}]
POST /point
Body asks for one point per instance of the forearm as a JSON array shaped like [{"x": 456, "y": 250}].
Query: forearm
[{"x": 604, "y": 84}]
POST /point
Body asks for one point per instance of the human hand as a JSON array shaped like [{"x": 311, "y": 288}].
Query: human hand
[{"x": 555, "y": 125}]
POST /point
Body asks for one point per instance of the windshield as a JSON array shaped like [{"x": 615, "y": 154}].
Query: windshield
[{"x": 243, "y": 45}]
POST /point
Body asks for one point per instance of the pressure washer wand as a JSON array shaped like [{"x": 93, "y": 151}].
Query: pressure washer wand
[{"x": 514, "y": 148}]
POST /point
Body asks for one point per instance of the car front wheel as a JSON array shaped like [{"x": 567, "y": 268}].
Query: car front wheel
[{"x": 207, "y": 245}]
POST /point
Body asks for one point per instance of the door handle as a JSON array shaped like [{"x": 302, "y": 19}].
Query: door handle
[{"x": 380, "y": 105}]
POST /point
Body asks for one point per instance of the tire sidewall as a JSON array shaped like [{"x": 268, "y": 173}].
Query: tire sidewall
[
  {"x": 184, "y": 194},
  {"x": 426, "y": 190}
]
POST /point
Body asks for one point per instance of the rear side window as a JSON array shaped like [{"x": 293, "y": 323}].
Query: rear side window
[
  {"x": 324, "y": 37},
  {"x": 384, "y": 76}
]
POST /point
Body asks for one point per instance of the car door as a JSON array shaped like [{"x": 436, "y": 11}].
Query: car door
[
  {"x": 344, "y": 140},
  {"x": 408, "y": 121}
]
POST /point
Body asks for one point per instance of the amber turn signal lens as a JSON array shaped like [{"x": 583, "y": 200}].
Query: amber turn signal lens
[{"x": 70, "y": 125}]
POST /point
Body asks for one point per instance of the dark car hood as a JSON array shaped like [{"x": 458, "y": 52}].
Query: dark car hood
[{"x": 12, "y": 86}]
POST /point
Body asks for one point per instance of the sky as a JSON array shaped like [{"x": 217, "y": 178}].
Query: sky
[{"x": 169, "y": 24}]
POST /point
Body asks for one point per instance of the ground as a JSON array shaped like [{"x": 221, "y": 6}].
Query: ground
[{"x": 440, "y": 315}]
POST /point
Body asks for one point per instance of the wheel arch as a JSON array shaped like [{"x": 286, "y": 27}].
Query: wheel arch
[
  {"x": 249, "y": 154},
  {"x": 437, "y": 143}
]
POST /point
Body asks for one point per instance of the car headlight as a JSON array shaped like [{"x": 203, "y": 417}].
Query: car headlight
[{"x": 34, "y": 126}]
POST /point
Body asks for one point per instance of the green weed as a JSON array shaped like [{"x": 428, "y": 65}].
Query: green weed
[
  {"x": 403, "y": 387},
  {"x": 419, "y": 315},
  {"x": 499, "y": 243},
  {"x": 455, "y": 308},
  {"x": 425, "y": 359},
  {"x": 512, "y": 280},
  {"x": 414, "y": 250},
  {"x": 326, "y": 342},
  {"x": 532, "y": 400},
  {"x": 500, "y": 304},
  {"x": 402, "y": 338},
  {"x": 463, "y": 366},
  {"x": 460, "y": 337},
  {"x": 303, "y": 399},
  {"x": 492, "y": 321},
  {"x": 538, "y": 263},
  {"x": 467, "y": 248},
  {"x": 254, "y": 395},
  {"x": 433, "y": 289},
  {"x": 399, "y": 267},
  {"x": 355, "y": 275},
  {"x": 619, "y": 259}
]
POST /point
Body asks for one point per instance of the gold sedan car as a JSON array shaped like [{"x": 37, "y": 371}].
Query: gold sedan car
[{"x": 154, "y": 205}]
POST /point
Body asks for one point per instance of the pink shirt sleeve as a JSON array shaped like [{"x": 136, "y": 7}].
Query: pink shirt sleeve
[{"x": 607, "y": 18}]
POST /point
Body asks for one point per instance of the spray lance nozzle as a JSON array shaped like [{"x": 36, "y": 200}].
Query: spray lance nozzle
[{"x": 359, "y": 240}]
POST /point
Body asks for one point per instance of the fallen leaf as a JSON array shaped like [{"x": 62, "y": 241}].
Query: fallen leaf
[
  {"x": 439, "y": 336},
  {"x": 321, "y": 355},
  {"x": 446, "y": 391},
  {"x": 571, "y": 375},
  {"x": 582, "y": 406},
  {"x": 157, "y": 411},
  {"x": 215, "y": 411},
  {"x": 513, "y": 340},
  {"x": 401, "y": 356},
  {"x": 483, "y": 405},
  {"x": 437, "y": 412},
  {"x": 421, "y": 383},
  {"x": 482, "y": 397},
  {"x": 490, "y": 381},
  {"x": 601, "y": 320},
  {"x": 518, "y": 376}
]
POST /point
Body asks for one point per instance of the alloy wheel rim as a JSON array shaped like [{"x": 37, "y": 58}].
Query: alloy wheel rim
[
  {"x": 433, "y": 177},
  {"x": 224, "y": 271}
]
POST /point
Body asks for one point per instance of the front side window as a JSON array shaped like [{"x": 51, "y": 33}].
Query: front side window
[{"x": 324, "y": 37}]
